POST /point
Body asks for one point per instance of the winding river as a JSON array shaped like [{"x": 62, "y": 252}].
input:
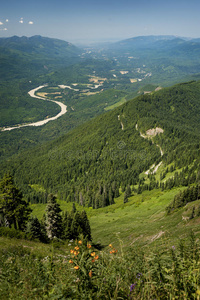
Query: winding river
[{"x": 40, "y": 123}]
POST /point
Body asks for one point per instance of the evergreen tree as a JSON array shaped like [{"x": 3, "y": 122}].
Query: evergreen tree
[
  {"x": 128, "y": 191},
  {"x": 192, "y": 213},
  {"x": 85, "y": 226},
  {"x": 198, "y": 211},
  {"x": 125, "y": 198},
  {"x": 75, "y": 226},
  {"x": 67, "y": 222},
  {"x": 111, "y": 197},
  {"x": 13, "y": 209},
  {"x": 73, "y": 208},
  {"x": 34, "y": 228},
  {"x": 53, "y": 219}
]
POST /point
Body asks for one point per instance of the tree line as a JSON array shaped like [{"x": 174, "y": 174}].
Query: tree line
[{"x": 15, "y": 213}]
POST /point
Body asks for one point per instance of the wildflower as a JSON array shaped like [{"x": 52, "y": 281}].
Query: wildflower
[
  {"x": 110, "y": 245},
  {"x": 96, "y": 257},
  {"x": 76, "y": 267},
  {"x": 89, "y": 246},
  {"x": 80, "y": 242},
  {"x": 132, "y": 287},
  {"x": 90, "y": 273},
  {"x": 76, "y": 248},
  {"x": 138, "y": 275},
  {"x": 72, "y": 251},
  {"x": 113, "y": 251},
  {"x": 71, "y": 261},
  {"x": 93, "y": 260},
  {"x": 93, "y": 254}
]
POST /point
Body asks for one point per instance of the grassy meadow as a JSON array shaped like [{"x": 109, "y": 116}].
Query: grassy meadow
[
  {"x": 137, "y": 252},
  {"x": 142, "y": 221}
]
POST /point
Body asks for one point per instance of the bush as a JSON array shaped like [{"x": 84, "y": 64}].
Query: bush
[{"x": 12, "y": 233}]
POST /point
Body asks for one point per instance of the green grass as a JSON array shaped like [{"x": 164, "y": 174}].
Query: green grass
[
  {"x": 152, "y": 255},
  {"x": 142, "y": 221},
  {"x": 122, "y": 101},
  {"x": 83, "y": 272}
]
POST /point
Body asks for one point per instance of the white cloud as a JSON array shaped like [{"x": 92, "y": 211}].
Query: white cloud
[
  {"x": 7, "y": 20},
  {"x": 21, "y": 21},
  {"x": 30, "y": 23},
  {"x": 1, "y": 23},
  {"x": 3, "y": 29}
]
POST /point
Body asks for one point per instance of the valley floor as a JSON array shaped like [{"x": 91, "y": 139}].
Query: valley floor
[{"x": 40, "y": 123}]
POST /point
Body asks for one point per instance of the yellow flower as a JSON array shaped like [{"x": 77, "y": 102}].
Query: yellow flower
[
  {"x": 89, "y": 246},
  {"x": 96, "y": 257},
  {"x": 76, "y": 267},
  {"x": 71, "y": 261},
  {"x": 80, "y": 242},
  {"x": 71, "y": 251},
  {"x": 93, "y": 254},
  {"x": 76, "y": 248},
  {"x": 110, "y": 245}
]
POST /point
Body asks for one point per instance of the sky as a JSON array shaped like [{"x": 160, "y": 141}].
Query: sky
[{"x": 86, "y": 21}]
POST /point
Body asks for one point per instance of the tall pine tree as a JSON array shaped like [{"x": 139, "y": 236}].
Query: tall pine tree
[
  {"x": 53, "y": 219},
  {"x": 13, "y": 208}
]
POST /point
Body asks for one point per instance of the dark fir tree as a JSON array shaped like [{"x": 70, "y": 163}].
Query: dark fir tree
[
  {"x": 34, "y": 228},
  {"x": 125, "y": 198},
  {"x": 75, "y": 226},
  {"x": 85, "y": 226},
  {"x": 53, "y": 219},
  {"x": 192, "y": 215},
  {"x": 128, "y": 191},
  {"x": 73, "y": 208},
  {"x": 67, "y": 223},
  {"x": 13, "y": 208},
  {"x": 198, "y": 211}
]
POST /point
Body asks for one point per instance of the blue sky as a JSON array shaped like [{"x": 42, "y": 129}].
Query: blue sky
[{"x": 86, "y": 20}]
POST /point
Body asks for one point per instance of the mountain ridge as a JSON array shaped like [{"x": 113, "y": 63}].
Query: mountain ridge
[{"x": 24, "y": 56}]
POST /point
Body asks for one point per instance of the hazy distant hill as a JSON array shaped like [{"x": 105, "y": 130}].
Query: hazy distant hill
[
  {"x": 40, "y": 45},
  {"x": 157, "y": 43},
  {"x": 141, "y": 42},
  {"x": 24, "y": 56}
]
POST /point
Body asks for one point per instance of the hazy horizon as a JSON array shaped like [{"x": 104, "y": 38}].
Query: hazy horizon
[{"x": 107, "y": 21}]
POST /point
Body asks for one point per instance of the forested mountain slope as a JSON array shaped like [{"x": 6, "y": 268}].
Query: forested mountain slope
[
  {"x": 23, "y": 56},
  {"x": 91, "y": 162}
]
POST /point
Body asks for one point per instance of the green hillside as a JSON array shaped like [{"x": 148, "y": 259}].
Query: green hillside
[
  {"x": 23, "y": 57},
  {"x": 135, "y": 172},
  {"x": 90, "y": 163},
  {"x": 104, "y": 202}
]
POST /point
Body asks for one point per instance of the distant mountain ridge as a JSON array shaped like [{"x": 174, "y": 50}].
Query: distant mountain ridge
[
  {"x": 155, "y": 42},
  {"x": 40, "y": 44},
  {"x": 29, "y": 56}
]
